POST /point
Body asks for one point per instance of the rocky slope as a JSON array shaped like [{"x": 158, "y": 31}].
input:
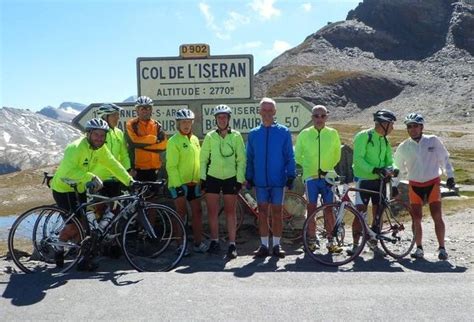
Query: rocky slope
[
  {"x": 402, "y": 55},
  {"x": 30, "y": 140}
]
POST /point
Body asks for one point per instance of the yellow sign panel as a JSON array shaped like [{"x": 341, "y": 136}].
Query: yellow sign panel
[{"x": 194, "y": 51}]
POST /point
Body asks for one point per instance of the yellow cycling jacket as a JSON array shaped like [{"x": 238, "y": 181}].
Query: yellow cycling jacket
[
  {"x": 223, "y": 157},
  {"x": 115, "y": 142},
  {"x": 317, "y": 150},
  {"x": 371, "y": 150},
  {"x": 182, "y": 160},
  {"x": 80, "y": 163}
]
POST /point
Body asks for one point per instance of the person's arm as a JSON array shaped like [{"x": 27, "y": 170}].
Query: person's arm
[
  {"x": 290, "y": 157},
  {"x": 172, "y": 160},
  {"x": 204, "y": 156},
  {"x": 360, "y": 150},
  {"x": 123, "y": 154},
  {"x": 240, "y": 158},
  {"x": 443, "y": 159},
  {"x": 249, "y": 169},
  {"x": 299, "y": 149},
  {"x": 400, "y": 164},
  {"x": 337, "y": 149}
]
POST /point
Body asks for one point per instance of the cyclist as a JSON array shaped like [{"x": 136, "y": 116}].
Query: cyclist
[
  {"x": 146, "y": 139},
  {"x": 116, "y": 144},
  {"x": 81, "y": 160},
  {"x": 422, "y": 158},
  {"x": 372, "y": 156},
  {"x": 318, "y": 151},
  {"x": 270, "y": 167},
  {"x": 182, "y": 166},
  {"x": 222, "y": 170}
]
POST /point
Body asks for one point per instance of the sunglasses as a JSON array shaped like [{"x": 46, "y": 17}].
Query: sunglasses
[
  {"x": 319, "y": 116},
  {"x": 410, "y": 126}
]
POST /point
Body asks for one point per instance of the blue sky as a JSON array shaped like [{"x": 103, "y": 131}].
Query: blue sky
[{"x": 85, "y": 51}]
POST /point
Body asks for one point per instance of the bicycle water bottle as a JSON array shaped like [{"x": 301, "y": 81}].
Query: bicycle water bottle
[
  {"x": 106, "y": 219},
  {"x": 92, "y": 220},
  {"x": 251, "y": 201}
]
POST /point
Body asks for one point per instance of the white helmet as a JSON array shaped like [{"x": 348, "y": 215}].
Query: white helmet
[
  {"x": 220, "y": 109},
  {"x": 107, "y": 109},
  {"x": 414, "y": 118},
  {"x": 144, "y": 101},
  {"x": 96, "y": 124},
  {"x": 184, "y": 114}
]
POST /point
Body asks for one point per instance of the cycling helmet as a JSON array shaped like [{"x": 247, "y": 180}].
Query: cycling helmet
[
  {"x": 220, "y": 109},
  {"x": 107, "y": 109},
  {"x": 144, "y": 101},
  {"x": 384, "y": 116},
  {"x": 96, "y": 124},
  {"x": 414, "y": 118},
  {"x": 184, "y": 114}
]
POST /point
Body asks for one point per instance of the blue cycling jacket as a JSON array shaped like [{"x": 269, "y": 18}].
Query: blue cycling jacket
[{"x": 270, "y": 156}]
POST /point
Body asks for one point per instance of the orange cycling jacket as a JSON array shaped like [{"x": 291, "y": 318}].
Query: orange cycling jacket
[{"x": 146, "y": 139}]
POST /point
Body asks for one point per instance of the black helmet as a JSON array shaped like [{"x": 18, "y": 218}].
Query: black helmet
[
  {"x": 384, "y": 116},
  {"x": 414, "y": 118}
]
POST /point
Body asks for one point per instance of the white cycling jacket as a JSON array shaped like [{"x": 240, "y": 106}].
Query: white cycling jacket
[{"x": 424, "y": 160}]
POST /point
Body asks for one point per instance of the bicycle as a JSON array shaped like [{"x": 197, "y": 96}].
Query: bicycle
[
  {"x": 145, "y": 231},
  {"x": 393, "y": 227}
]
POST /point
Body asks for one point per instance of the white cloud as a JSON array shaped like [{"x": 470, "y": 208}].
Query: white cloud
[
  {"x": 279, "y": 46},
  {"x": 231, "y": 23},
  {"x": 247, "y": 45},
  {"x": 265, "y": 8},
  {"x": 306, "y": 7}
]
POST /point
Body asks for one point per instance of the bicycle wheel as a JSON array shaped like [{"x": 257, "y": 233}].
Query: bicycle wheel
[
  {"x": 33, "y": 240},
  {"x": 294, "y": 215},
  {"x": 147, "y": 253},
  {"x": 396, "y": 229},
  {"x": 334, "y": 245}
]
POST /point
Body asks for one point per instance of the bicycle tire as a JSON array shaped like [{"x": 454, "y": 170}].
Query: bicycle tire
[
  {"x": 396, "y": 223},
  {"x": 145, "y": 253},
  {"x": 342, "y": 236},
  {"x": 34, "y": 239},
  {"x": 294, "y": 216}
]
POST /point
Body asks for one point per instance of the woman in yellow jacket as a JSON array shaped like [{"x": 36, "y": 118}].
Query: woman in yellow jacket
[
  {"x": 182, "y": 166},
  {"x": 223, "y": 162}
]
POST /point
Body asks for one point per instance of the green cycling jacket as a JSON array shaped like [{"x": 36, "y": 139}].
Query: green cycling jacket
[
  {"x": 223, "y": 157},
  {"x": 80, "y": 163},
  {"x": 371, "y": 150},
  {"x": 115, "y": 142},
  {"x": 182, "y": 160},
  {"x": 317, "y": 150}
]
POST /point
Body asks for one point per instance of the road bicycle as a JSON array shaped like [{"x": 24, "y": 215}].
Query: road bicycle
[
  {"x": 152, "y": 236},
  {"x": 393, "y": 227},
  {"x": 294, "y": 214}
]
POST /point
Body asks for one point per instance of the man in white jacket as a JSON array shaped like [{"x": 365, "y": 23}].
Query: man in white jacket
[{"x": 422, "y": 159}]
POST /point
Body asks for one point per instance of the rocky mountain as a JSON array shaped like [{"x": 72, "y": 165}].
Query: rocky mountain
[
  {"x": 65, "y": 112},
  {"x": 404, "y": 55},
  {"x": 31, "y": 140}
]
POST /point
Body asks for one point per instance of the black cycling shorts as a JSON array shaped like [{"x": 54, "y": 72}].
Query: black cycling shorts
[
  {"x": 373, "y": 185},
  {"x": 67, "y": 200},
  {"x": 227, "y": 186},
  {"x": 146, "y": 175},
  {"x": 112, "y": 188}
]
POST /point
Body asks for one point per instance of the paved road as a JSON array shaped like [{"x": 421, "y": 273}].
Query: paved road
[{"x": 207, "y": 287}]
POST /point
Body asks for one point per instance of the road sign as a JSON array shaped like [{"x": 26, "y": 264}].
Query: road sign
[
  {"x": 165, "y": 114},
  {"x": 177, "y": 79},
  {"x": 292, "y": 112}
]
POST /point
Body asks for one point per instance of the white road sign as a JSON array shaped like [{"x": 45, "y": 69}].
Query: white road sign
[
  {"x": 295, "y": 114},
  {"x": 177, "y": 79},
  {"x": 163, "y": 114}
]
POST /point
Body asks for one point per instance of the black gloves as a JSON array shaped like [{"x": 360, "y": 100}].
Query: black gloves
[
  {"x": 394, "y": 192},
  {"x": 379, "y": 171},
  {"x": 450, "y": 183},
  {"x": 94, "y": 185},
  {"x": 289, "y": 183}
]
